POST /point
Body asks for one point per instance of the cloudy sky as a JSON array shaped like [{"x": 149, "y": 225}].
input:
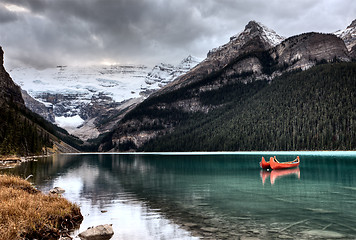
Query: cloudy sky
[{"x": 47, "y": 33}]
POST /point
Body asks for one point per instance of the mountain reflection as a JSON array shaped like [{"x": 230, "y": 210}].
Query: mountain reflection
[{"x": 221, "y": 193}]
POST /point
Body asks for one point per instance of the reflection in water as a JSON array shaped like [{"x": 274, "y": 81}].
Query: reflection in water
[
  {"x": 131, "y": 218},
  {"x": 92, "y": 181},
  {"x": 213, "y": 196},
  {"x": 264, "y": 175},
  {"x": 278, "y": 173}
]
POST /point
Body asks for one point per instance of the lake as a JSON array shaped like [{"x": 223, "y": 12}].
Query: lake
[{"x": 210, "y": 196}]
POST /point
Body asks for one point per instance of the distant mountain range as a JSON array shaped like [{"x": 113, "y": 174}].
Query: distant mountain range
[
  {"x": 231, "y": 76},
  {"x": 79, "y": 98},
  {"x": 259, "y": 91}
]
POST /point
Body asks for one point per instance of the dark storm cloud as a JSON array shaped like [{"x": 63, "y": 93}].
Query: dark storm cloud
[{"x": 52, "y": 32}]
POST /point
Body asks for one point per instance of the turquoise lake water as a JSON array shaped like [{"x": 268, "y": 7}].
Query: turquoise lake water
[{"x": 210, "y": 196}]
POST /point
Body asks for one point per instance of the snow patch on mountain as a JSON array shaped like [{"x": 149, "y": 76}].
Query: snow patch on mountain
[
  {"x": 69, "y": 122},
  {"x": 72, "y": 90},
  {"x": 163, "y": 74},
  {"x": 348, "y": 35},
  {"x": 117, "y": 82}
]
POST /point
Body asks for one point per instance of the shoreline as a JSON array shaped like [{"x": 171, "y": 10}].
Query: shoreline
[
  {"x": 301, "y": 152},
  {"x": 13, "y": 161},
  {"x": 34, "y": 215}
]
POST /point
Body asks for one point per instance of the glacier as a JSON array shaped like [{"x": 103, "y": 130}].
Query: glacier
[{"x": 80, "y": 95}]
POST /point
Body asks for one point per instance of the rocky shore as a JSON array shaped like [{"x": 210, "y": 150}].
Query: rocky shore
[{"x": 12, "y": 161}]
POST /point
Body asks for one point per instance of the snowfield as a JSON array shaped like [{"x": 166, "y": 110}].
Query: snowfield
[
  {"x": 68, "y": 89},
  {"x": 118, "y": 82}
]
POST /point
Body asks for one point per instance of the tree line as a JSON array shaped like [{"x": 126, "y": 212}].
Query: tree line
[
  {"x": 309, "y": 110},
  {"x": 19, "y": 135}
]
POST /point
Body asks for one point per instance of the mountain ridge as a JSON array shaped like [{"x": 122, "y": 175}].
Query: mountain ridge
[
  {"x": 238, "y": 45},
  {"x": 247, "y": 62},
  {"x": 231, "y": 73},
  {"x": 349, "y": 37}
]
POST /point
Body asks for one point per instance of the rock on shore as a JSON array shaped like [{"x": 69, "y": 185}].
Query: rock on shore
[{"x": 101, "y": 232}]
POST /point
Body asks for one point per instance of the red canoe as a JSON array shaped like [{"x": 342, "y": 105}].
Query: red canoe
[
  {"x": 264, "y": 164},
  {"x": 277, "y": 165}
]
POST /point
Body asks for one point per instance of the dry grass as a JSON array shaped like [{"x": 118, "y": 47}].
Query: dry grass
[{"x": 27, "y": 213}]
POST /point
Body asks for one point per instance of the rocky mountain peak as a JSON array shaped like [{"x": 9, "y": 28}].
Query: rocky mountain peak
[
  {"x": 188, "y": 62},
  {"x": 349, "y": 37},
  {"x": 254, "y": 29},
  {"x": 353, "y": 24},
  {"x": 165, "y": 73},
  {"x": 188, "y": 59},
  {"x": 254, "y": 36}
]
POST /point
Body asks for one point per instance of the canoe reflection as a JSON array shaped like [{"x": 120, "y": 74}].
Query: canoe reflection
[{"x": 278, "y": 173}]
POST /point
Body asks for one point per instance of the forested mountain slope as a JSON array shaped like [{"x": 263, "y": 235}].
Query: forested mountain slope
[
  {"x": 301, "y": 110},
  {"x": 21, "y": 131},
  {"x": 251, "y": 64}
]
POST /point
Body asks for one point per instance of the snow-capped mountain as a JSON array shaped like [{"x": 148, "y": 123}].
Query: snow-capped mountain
[
  {"x": 81, "y": 82},
  {"x": 252, "y": 29},
  {"x": 252, "y": 58},
  {"x": 81, "y": 95},
  {"x": 349, "y": 37},
  {"x": 255, "y": 37},
  {"x": 163, "y": 74}
]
